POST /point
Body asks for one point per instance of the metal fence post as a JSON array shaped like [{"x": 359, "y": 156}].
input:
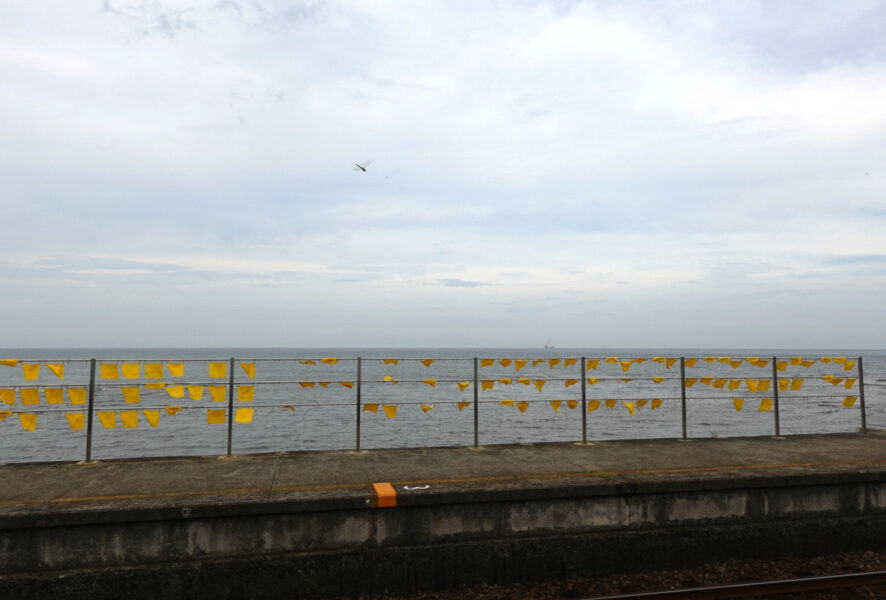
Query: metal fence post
[
  {"x": 359, "y": 399},
  {"x": 683, "y": 394},
  {"x": 864, "y": 421},
  {"x": 230, "y": 405},
  {"x": 775, "y": 396},
  {"x": 476, "y": 405},
  {"x": 90, "y": 410},
  {"x": 584, "y": 403}
]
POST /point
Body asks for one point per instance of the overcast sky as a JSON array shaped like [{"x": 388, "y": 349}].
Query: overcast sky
[{"x": 606, "y": 173}]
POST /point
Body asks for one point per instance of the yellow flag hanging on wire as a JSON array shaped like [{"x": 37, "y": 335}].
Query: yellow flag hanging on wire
[
  {"x": 572, "y": 404},
  {"x": 329, "y": 360},
  {"x": 734, "y": 384},
  {"x": 57, "y": 368},
  {"x": 593, "y": 380},
  {"x": 487, "y": 384},
  {"x": 766, "y": 404},
  {"x": 524, "y": 380},
  {"x": 641, "y": 403},
  {"x": 506, "y": 403},
  {"x": 463, "y": 385},
  {"x": 626, "y": 365},
  {"x": 462, "y": 405},
  {"x": 245, "y": 393},
  {"x": 373, "y": 408},
  {"x": 390, "y": 361},
  {"x": 155, "y": 370},
  {"x": 849, "y": 402},
  {"x": 539, "y": 383},
  {"x": 347, "y": 384},
  {"x": 243, "y": 415},
  {"x": 390, "y": 410},
  {"x": 505, "y": 381},
  {"x": 555, "y": 404},
  {"x": 7, "y": 396},
  {"x": 611, "y": 359},
  {"x": 522, "y": 406},
  {"x": 486, "y": 362},
  {"x": 248, "y": 368},
  {"x": 108, "y": 419},
  {"x": 671, "y": 361},
  {"x": 54, "y": 395},
  {"x": 130, "y": 370},
  {"x": 658, "y": 379},
  {"x": 31, "y": 372},
  {"x": 129, "y": 418},
  {"x": 28, "y": 421},
  {"x": 427, "y": 407},
  {"x": 172, "y": 410},
  {"x": 152, "y": 416},
  {"x": 781, "y": 365},
  {"x": 215, "y": 416},
  {"x": 610, "y": 404},
  {"x": 9, "y": 362},
  {"x": 109, "y": 371},
  {"x": 505, "y": 362},
  {"x": 719, "y": 383},
  {"x": 537, "y": 362},
  {"x": 752, "y": 385},
  {"x": 656, "y": 403},
  {"x": 849, "y": 382},
  {"x": 430, "y": 382},
  {"x": 75, "y": 420},
  {"x": 569, "y": 362},
  {"x": 217, "y": 392},
  {"x": 554, "y": 362},
  {"x": 30, "y": 396},
  {"x": 195, "y": 392},
  {"x": 849, "y": 365},
  {"x": 175, "y": 391},
  {"x": 629, "y": 406},
  {"x": 306, "y": 384},
  {"x": 427, "y": 362},
  {"x": 519, "y": 364},
  {"x": 130, "y": 395},
  {"x": 308, "y": 362},
  {"x": 217, "y": 370},
  {"x": 593, "y": 405},
  {"x": 783, "y": 385},
  {"x": 738, "y": 403},
  {"x": 796, "y": 384},
  {"x": 176, "y": 369},
  {"x": 593, "y": 363},
  {"x": 690, "y": 381},
  {"x": 569, "y": 382}
]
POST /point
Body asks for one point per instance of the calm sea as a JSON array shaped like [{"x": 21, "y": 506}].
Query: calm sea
[{"x": 302, "y": 406}]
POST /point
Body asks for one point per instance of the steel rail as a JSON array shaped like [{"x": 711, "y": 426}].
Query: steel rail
[{"x": 761, "y": 588}]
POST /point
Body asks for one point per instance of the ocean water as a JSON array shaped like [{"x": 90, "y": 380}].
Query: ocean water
[{"x": 303, "y": 406}]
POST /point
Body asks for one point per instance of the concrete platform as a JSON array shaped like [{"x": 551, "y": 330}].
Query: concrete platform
[
  {"x": 313, "y": 524},
  {"x": 32, "y": 492}
]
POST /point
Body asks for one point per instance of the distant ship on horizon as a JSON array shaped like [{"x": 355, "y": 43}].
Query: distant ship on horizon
[{"x": 549, "y": 345}]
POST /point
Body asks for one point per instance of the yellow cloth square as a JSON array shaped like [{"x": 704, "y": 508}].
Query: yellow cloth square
[
  {"x": 462, "y": 405},
  {"x": 849, "y": 402},
  {"x": 554, "y": 362},
  {"x": 522, "y": 406},
  {"x": 539, "y": 383},
  {"x": 839, "y": 359},
  {"x": 610, "y": 404},
  {"x": 195, "y": 392},
  {"x": 796, "y": 384},
  {"x": 849, "y": 365},
  {"x": 611, "y": 359},
  {"x": 75, "y": 420},
  {"x": 690, "y": 362},
  {"x": 108, "y": 371},
  {"x": 175, "y": 391},
  {"x": 807, "y": 363},
  {"x": 390, "y": 410},
  {"x": 593, "y": 405},
  {"x": 77, "y": 395},
  {"x": 373, "y": 408},
  {"x": 176, "y": 369},
  {"x": 849, "y": 382},
  {"x": 218, "y": 370},
  {"x": 593, "y": 363},
  {"x": 487, "y": 384},
  {"x": 656, "y": 403},
  {"x": 626, "y": 365},
  {"x": 28, "y": 421},
  {"x": 766, "y": 404},
  {"x": 217, "y": 392},
  {"x": 761, "y": 363},
  {"x": 243, "y": 415},
  {"x": 154, "y": 371},
  {"x": 486, "y": 362},
  {"x": 734, "y": 384},
  {"x": 108, "y": 419},
  {"x": 505, "y": 362},
  {"x": 690, "y": 381},
  {"x": 152, "y": 417},
  {"x": 781, "y": 365},
  {"x": 763, "y": 385},
  {"x": 719, "y": 383},
  {"x": 796, "y": 360},
  {"x": 57, "y": 368},
  {"x": 31, "y": 372},
  {"x": 245, "y": 393},
  {"x": 54, "y": 395},
  {"x": 738, "y": 403},
  {"x": 249, "y": 369},
  {"x": 7, "y": 396},
  {"x": 215, "y": 416},
  {"x": 129, "y": 418},
  {"x": 30, "y": 396},
  {"x": 672, "y": 361},
  {"x": 783, "y": 385},
  {"x": 752, "y": 385},
  {"x": 569, "y": 382},
  {"x": 131, "y": 370},
  {"x": 569, "y": 362}
]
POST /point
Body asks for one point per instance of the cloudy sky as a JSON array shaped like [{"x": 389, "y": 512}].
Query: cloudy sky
[{"x": 603, "y": 173}]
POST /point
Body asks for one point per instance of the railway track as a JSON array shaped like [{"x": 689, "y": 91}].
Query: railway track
[{"x": 761, "y": 588}]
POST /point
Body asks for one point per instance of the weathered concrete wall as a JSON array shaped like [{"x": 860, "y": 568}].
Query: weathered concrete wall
[{"x": 434, "y": 541}]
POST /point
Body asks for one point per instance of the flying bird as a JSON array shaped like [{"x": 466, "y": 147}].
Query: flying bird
[{"x": 362, "y": 167}]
